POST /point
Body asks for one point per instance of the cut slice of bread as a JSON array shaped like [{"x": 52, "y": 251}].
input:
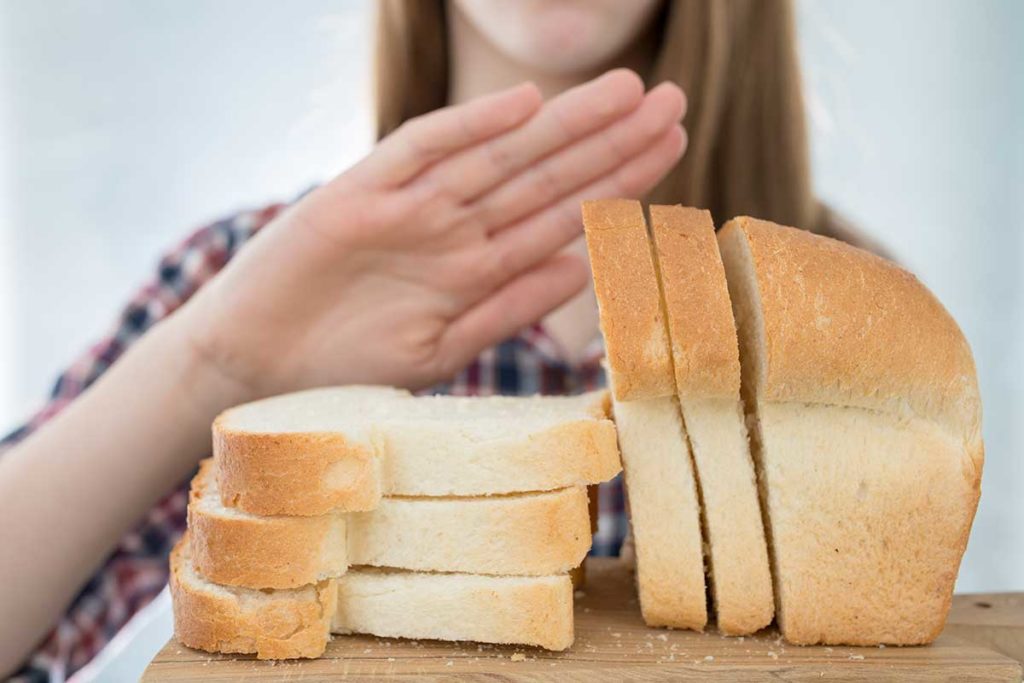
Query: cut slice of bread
[
  {"x": 286, "y": 624},
  {"x": 270, "y": 624},
  {"x": 864, "y": 404},
  {"x": 236, "y": 548},
  {"x": 707, "y": 378},
  {"x": 664, "y": 507},
  {"x": 343, "y": 448},
  {"x": 528, "y": 534},
  {"x": 305, "y": 453}
]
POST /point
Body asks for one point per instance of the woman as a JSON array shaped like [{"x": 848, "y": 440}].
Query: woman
[{"x": 431, "y": 261}]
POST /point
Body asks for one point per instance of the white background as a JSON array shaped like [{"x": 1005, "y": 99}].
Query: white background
[{"x": 125, "y": 123}]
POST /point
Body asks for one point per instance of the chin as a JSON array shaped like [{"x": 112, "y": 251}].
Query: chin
[
  {"x": 560, "y": 36},
  {"x": 566, "y": 37}
]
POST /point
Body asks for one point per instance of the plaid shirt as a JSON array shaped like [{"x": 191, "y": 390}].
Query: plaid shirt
[{"x": 137, "y": 568}]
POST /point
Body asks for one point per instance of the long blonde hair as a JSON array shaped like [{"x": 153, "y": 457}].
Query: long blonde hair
[{"x": 735, "y": 59}]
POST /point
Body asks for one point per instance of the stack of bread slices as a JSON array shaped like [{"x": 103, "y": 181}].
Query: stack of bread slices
[
  {"x": 369, "y": 510},
  {"x": 799, "y": 422}
]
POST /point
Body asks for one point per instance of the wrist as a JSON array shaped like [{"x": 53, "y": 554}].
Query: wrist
[{"x": 203, "y": 379}]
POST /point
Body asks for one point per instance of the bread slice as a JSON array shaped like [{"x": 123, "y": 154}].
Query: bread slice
[
  {"x": 529, "y": 534},
  {"x": 664, "y": 508},
  {"x": 525, "y": 610},
  {"x": 866, "y": 417},
  {"x": 286, "y": 624},
  {"x": 707, "y": 378},
  {"x": 316, "y": 451},
  {"x": 271, "y": 624},
  {"x": 236, "y": 548}
]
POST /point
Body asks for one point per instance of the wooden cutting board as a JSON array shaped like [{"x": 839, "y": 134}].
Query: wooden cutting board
[{"x": 983, "y": 641}]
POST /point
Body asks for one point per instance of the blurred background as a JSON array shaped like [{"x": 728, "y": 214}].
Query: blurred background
[{"x": 125, "y": 124}]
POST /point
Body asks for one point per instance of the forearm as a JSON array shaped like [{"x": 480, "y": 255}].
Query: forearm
[{"x": 70, "y": 491}]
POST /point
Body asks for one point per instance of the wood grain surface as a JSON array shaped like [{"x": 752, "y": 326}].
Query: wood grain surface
[
  {"x": 994, "y": 620},
  {"x": 984, "y": 636}
]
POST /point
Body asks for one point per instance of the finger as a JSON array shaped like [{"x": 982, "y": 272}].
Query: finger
[
  {"x": 581, "y": 164},
  {"x": 519, "y": 303},
  {"x": 424, "y": 140},
  {"x": 522, "y": 246},
  {"x": 567, "y": 118}
]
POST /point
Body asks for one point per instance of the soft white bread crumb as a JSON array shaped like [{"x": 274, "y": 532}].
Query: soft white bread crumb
[
  {"x": 739, "y": 574},
  {"x": 664, "y": 513},
  {"x": 487, "y": 609},
  {"x": 869, "y": 517}
]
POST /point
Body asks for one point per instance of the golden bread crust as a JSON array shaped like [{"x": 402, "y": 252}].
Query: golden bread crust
[
  {"x": 700, "y": 323},
  {"x": 626, "y": 285}
]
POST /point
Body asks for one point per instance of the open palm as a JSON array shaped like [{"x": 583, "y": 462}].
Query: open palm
[{"x": 443, "y": 241}]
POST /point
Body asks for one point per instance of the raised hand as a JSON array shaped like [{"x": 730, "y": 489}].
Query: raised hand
[{"x": 443, "y": 241}]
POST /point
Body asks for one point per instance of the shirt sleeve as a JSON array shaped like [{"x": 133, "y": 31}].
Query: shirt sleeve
[
  {"x": 181, "y": 272},
  {"x": 136, "y": 570}
]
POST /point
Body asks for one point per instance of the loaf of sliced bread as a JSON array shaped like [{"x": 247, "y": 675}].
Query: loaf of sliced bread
[
  {"x": 316, "y": 451},
  {"x": 664, "y": 507},
  {"x": 530, "y": 534},
  {"x": 286, "y": 624},
  {"x": 706, "y": 363},
  {"x": 865, "y": 412}
]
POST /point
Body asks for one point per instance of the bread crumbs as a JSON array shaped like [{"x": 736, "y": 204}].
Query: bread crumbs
[{"x": 518, "y": 657}]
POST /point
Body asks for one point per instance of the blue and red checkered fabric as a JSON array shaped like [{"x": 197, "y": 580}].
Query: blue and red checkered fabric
[{"x": 137, "y": 569}]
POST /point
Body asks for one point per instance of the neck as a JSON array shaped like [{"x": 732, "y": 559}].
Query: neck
[{"x": 478, "y": 68}]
